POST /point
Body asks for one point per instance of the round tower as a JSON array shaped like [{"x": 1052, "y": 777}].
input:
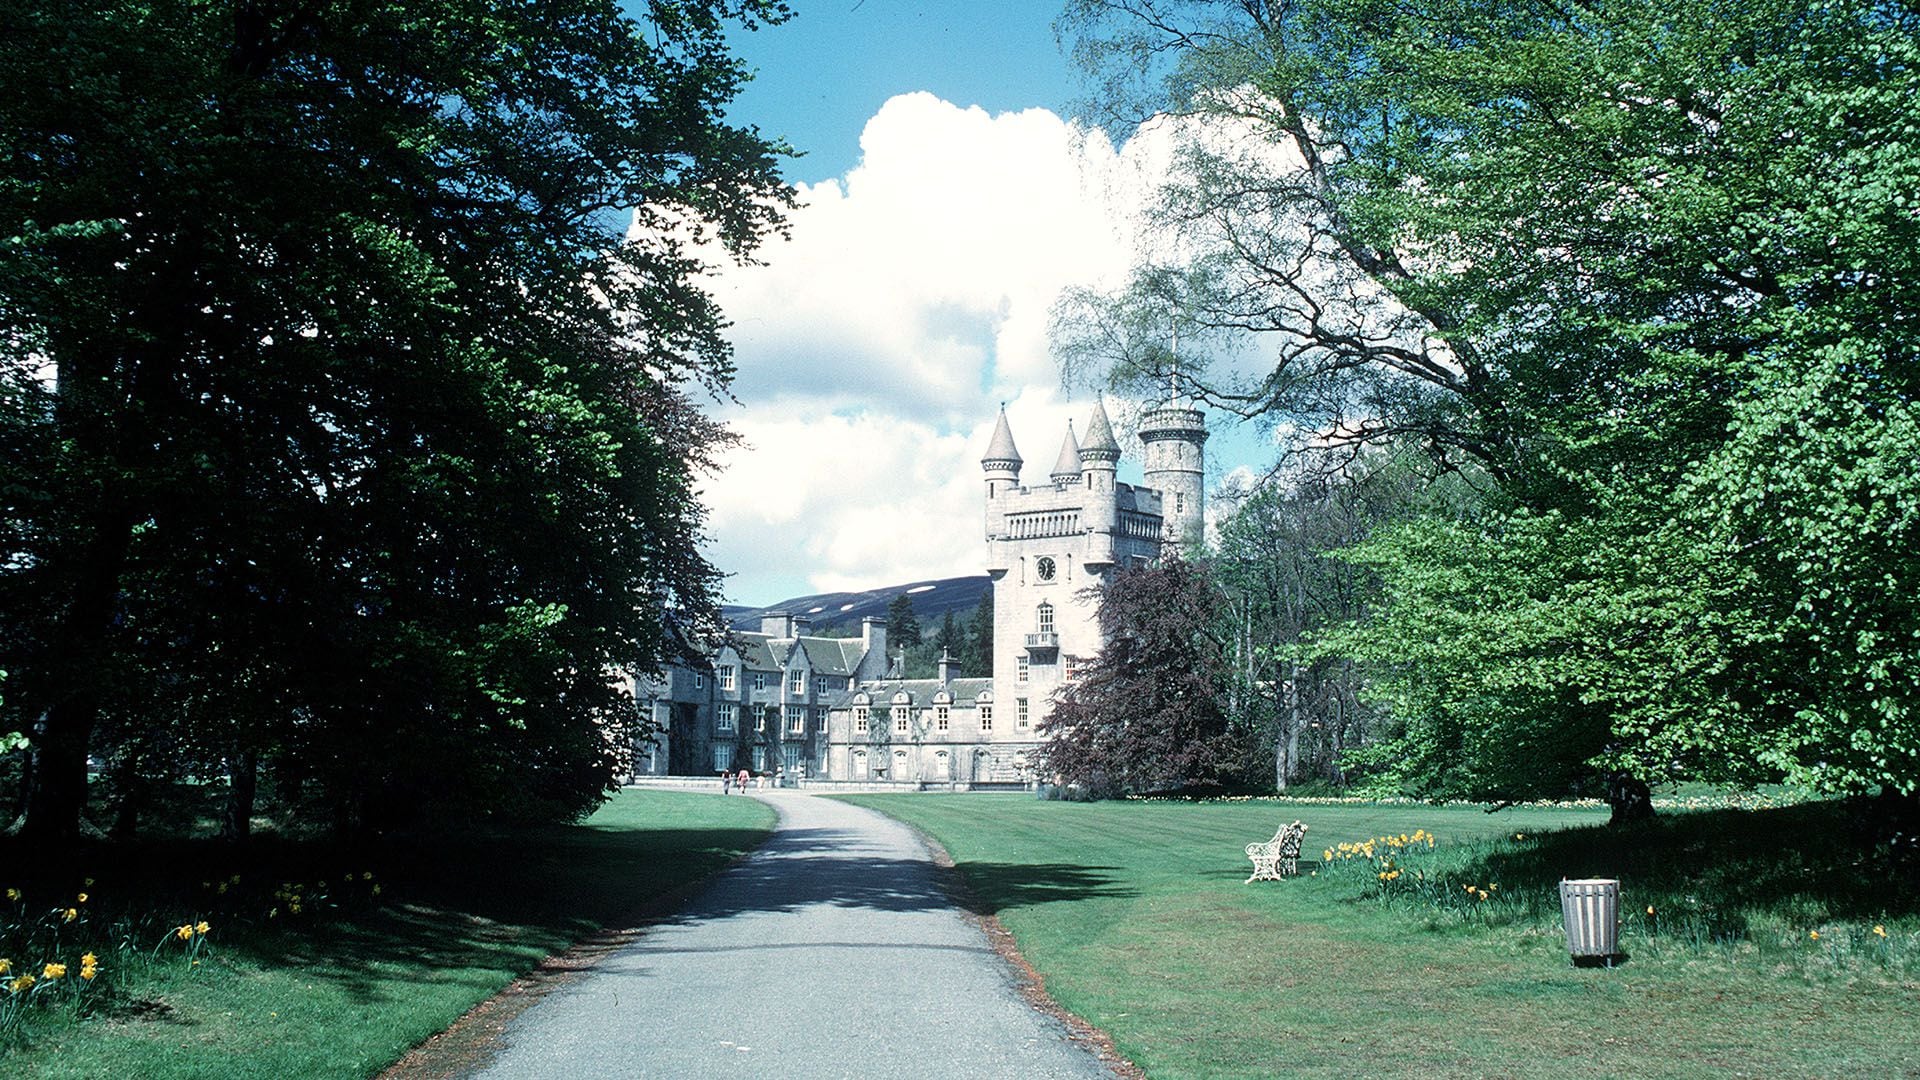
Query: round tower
[
  {"x": 1002, "y": 460},
  {"x": 1100, "y": 455},
  {"x": 1066, "y": 470},
  {"x": 1175, "y": 436}
]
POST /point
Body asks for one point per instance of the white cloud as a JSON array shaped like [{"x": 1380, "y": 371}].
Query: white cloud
[{"x": 877, "y": 342}]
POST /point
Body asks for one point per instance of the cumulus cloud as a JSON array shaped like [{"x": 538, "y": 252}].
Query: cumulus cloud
[{"x": 876, "y": 343}]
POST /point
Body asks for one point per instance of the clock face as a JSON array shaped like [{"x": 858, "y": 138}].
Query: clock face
[{"x": 1044, "y": 568}]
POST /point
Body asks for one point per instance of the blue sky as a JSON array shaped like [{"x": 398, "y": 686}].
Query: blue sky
[{"x": 824, "y": 73}]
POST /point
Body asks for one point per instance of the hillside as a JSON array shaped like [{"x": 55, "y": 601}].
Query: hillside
[{"x": 839, "y": 613}]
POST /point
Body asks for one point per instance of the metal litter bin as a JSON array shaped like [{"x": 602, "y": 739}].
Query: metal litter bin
[{"x": 1590, "y": 909}]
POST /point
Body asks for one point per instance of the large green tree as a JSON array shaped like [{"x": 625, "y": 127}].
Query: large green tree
[
  {"x": 1649, "y": 268},
  {"x": 344, "y": 394}
]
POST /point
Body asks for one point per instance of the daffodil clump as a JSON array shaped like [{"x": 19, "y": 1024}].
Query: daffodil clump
[{"x": 37, "y": 945}]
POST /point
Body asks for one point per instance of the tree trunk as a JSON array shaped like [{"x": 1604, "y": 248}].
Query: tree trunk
[
  {"x": 1630, "y": 798},
  {"x": 59, "y": 793},
  {"x": 243, "y": 774}
]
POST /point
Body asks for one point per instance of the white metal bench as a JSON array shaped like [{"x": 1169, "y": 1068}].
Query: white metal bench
[{"x": 1278, "y": 857}]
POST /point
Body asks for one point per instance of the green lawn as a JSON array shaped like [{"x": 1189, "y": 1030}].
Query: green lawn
[
  {"x": 1136, "y": 916},
  {"x": 355, "y": 980}
]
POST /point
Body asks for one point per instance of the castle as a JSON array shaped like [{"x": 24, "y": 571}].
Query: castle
[{"x": 835, "y": 709}]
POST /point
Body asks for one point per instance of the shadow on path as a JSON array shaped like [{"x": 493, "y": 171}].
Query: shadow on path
[{"x": 801, "y": 867}]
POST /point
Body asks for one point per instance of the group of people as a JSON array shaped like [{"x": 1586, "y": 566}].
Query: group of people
[{"x": 731, "y": 780}]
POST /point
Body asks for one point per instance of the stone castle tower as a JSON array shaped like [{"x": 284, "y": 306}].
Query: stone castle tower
[{"x": 1048, "y": 544}]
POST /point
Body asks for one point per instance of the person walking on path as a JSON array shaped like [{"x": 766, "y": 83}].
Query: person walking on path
[{"x": 832, "y": 951}]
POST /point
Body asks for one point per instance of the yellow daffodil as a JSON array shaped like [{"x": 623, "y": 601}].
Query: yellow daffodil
[
  {"x": 20, "y": 983},
  {"x": 184, "y": 933},
  {"x": 13, "y": 894},
  {"x": 80, "y": 899},
  {"x": 88, "y": 883},
  {"x": 70, "y": 914},
  {"x": 53, "y": 971},
  {"x": 1878, "y": 931},
  {"x": 1649, "y": 909},
  {"x": 88, "y": 973},
  {"x": 6, "y": 965},
  {"x": 88, "y": 960},
  {"x": 1814, "y": 934},
  {"x": 201, "y": 927},
  {"x": 376, "y": 890}
]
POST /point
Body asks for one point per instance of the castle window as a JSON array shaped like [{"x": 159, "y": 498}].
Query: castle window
[
  {"x": 940, "y": 718},
  {"x": 899, "y": 719},
  {"x": 727, "y": 677},
  {"x": 820, "y": 684},
  {"x": 860, "y": 720},
  {"x": 986, "y": 718},
  {"x": 699, "y": 680},
  {"x": 1020, "y": 714},
  {"x": 796, "y": 682},
  {"x": 1179, "y": 502},
  {"x": 722, "y": 759},
  {"x": 1020, "y": 669},
  {"x": 759, "y": 680},
  {"x": 729, "y": 718},
  {"x": 1046, "y": 618},
  {"x": 796, "y": 720}
]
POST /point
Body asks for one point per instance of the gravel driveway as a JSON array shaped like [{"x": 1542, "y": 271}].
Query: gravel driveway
[{"x": 830, "y": 952}]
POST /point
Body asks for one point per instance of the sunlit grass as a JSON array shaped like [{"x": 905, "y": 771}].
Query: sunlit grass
[{"x": 1137, "y": 918}]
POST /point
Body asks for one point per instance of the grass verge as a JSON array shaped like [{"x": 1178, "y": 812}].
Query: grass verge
[
  {"x": 305, "y": 969},
  {"x": 1136, "y": 917}
]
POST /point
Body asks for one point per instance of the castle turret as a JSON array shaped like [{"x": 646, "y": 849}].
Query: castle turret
[
  {"x": 1100, "y": 455},
  {"x": 1066, "y": 470},
  {"x": 1175, "y": 436},
  {"x": 1002, "y": 461}
]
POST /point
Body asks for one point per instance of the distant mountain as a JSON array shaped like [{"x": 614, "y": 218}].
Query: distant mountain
[{"x": 840, "y": 613}]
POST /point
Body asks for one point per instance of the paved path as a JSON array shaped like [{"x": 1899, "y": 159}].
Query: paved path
[{"x": 830, "y": 952}]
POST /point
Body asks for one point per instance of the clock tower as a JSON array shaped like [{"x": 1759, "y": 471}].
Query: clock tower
[{"x": 1049, "y": 544}]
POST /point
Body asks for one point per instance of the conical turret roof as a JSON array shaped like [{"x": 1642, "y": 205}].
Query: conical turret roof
[
  {"x": 1002, "y": 448},
  {"x": 1100, "y": 444},
  {"x": 1069, "y": 463}
]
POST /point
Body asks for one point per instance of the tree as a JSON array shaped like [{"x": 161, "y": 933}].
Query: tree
[
  {"x": 344, "y": 397},
  {"x": 1571, "y": 247},
  {"x": 1149, "y": 712},
  {"x": 978, "y": 658},
  {"x": 903, "y": 625},
  {"x": 1277, "y": 563},
  {"x": 949, "y": 638}
]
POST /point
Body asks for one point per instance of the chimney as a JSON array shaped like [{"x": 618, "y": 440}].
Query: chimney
[
  {"x": 801, "y": 624},
  {"x": 873, "y": 635},
  {"x": 777, "y": 624},
  {"x": 946, "y": 667}
]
